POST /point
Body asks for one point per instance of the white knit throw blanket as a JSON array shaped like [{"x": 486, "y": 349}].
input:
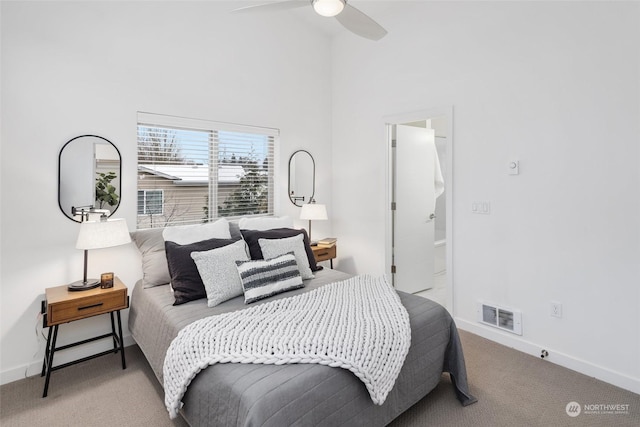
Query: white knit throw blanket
[{"x": 357, "y": 324}]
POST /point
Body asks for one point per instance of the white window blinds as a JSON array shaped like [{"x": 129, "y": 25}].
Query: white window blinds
[{"x": 192, "y": 171}]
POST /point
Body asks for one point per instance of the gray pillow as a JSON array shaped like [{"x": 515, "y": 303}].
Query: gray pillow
[
  {"x": 234, "y": 230},
  {"x": 217, "y": 268},
  {"x": 155, "y": 271},
  {"x": 264, "y": 278},
  {"x": 272, "y": 248}
]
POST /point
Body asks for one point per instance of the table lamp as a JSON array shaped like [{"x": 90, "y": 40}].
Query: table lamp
[
  {"x": 97, "y": 235},
  {"x": 313, "y": 211}
]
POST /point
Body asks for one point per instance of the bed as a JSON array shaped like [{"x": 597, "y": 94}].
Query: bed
[{"x": 231, "y": 394}]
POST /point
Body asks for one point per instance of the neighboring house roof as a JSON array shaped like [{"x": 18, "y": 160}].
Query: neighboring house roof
[{"x": 194, "y": 174}]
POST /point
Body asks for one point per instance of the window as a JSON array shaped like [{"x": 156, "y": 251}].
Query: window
[
  {"x": 150, "y": 202},
  {"x": 192, "y": 171}
]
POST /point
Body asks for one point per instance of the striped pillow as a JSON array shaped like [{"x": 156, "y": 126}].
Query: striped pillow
[{"x": 264, "y": 278}]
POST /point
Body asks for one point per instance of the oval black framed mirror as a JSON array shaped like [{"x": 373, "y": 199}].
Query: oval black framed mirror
[
  {"x": 89, "y": 177},
  {"x": 302, "y": 177}
]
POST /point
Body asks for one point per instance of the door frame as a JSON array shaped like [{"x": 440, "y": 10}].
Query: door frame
[{"x": 415, "y": 116}]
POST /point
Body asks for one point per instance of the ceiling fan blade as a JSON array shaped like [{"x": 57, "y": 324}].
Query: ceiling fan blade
[
  {"x": 359, "y": 23},
  {"x": 273, "y": 7}
]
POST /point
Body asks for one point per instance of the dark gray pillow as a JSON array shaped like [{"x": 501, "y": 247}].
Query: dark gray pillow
[
  {"x": 155, "y": 271},
  {"x": 186, "y": 282},
  {"x": 252, "y": 237}
]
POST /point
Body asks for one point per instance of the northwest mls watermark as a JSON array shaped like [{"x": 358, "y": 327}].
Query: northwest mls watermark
[{"x": 574, "y": 409}]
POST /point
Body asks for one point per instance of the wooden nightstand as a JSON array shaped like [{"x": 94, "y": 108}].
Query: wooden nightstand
[
  {"x": 324, "y": 254},
  {"x": 62, "y": 306}
]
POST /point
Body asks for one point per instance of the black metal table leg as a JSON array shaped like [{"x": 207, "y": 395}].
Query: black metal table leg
[
  {"x": 50, "y": 361},
  {"x": 46, "y": 353},
  {"x": 113, "y": 331},
  {"x": 124, "y": 364}
]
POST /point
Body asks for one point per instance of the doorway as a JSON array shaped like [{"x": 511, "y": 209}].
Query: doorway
[{"x": 420, "y": 157}]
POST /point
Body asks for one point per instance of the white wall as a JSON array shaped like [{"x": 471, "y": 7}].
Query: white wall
[
  {"x": 86, "y": 68},
  {"x": 553, "y": 84}
]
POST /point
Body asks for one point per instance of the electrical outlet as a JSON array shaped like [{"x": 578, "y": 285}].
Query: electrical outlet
[
  {"x": 556, "y": 309},
  {"x": 481, "y": 207}
]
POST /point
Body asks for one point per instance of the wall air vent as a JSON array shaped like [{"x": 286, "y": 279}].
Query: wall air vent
[{"x": 500, "y": 317}]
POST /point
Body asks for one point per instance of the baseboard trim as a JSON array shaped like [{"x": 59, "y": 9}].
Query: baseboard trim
[
  {"x": 586, "y": 368},
  {"x": 35, "y": 366}
]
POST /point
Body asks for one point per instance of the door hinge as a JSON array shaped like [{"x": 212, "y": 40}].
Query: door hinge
[
  {"x": 394, "y": 143},
  {"x": 393, "y": 269},
  {"x": 393, "y": 206}
]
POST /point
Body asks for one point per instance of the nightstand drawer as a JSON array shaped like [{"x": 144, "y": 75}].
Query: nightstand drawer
[
  {"x": 91, "y": 305},
  {"x": 324, "y": 254}
]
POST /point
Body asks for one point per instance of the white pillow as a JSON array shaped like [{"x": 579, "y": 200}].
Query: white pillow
[
  {"x": 219, "y": 273},
  {"x": 272, "y": 248},
  {"x": 186, "y": 234},
  {"x": 265, "y": 223}
]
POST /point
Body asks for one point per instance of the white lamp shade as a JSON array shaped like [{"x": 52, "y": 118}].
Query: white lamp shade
[
  {"x": 328, "y": 8},
  {"x": 103, "y": 234},
  {"x": 313, "y": 211}
]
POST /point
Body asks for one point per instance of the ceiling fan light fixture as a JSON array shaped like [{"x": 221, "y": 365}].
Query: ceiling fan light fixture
[{"x": 328, "y": 8}]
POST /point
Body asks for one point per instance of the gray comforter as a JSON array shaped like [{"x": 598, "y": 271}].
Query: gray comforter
[{"x": 305, "y": 395}]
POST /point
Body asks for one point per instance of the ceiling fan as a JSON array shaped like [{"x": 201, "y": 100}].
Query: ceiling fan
[{"x": 350, "y": 17}]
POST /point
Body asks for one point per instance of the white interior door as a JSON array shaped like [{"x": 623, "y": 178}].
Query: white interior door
[{"x": 414, "y": 191}]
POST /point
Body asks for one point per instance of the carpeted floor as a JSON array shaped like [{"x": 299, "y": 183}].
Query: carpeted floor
[{"x": 513, "y": 389}]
